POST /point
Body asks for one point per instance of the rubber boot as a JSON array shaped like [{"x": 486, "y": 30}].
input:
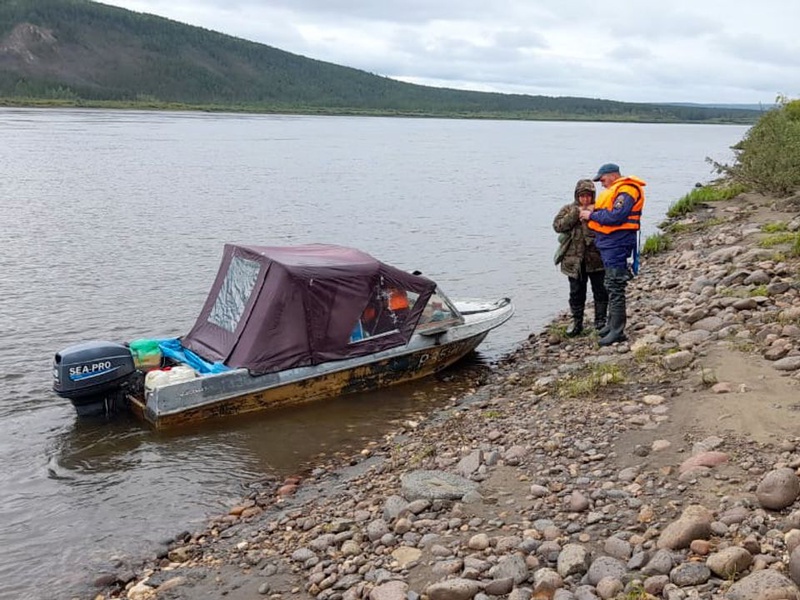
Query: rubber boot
[
  {"x": 616, "y": 282},
  {"x": 616, "y": 327},
  {"x": 601, "y": 318},
  {"x": 577, "y": 304},
  {"x": 576, "y": 328}
]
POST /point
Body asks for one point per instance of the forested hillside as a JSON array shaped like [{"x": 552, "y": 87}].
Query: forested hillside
[{"x": 83, "y": 52}]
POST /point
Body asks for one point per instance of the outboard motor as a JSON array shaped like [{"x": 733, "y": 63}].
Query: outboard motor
[{"x": 94, "y": 376}]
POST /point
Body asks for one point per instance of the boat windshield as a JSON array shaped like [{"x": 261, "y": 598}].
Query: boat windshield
[{"x": 439, "y": 313}]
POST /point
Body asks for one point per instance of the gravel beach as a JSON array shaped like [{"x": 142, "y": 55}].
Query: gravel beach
[{"x": 663, "y": 467}]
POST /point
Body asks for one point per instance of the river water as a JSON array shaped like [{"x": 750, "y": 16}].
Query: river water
[{"x": 113, "y": 224}]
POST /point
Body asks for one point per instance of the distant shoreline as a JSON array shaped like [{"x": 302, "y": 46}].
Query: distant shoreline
[{"x": 342, "y": 112}]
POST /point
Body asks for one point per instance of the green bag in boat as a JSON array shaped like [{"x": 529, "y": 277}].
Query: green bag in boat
[{"x": 146, "y": 354}]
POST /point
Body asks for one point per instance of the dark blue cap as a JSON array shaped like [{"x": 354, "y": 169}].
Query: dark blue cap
[{"x": 605, "y": 170}]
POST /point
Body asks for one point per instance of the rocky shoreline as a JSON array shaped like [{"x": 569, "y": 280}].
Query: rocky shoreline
[{"x": 665, "y": 467}]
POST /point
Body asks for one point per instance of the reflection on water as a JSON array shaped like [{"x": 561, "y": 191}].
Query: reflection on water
[
  {"x": 118, "y": 475},
  {"x": 287, "y": 438},
  {"x": 281, "y": 441},
  {"x": 94, "y": 446},
  {"x": 114, "y": 223}
]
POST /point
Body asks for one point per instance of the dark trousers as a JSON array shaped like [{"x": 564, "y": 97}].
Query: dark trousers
[{"x": 577, "y": 291}]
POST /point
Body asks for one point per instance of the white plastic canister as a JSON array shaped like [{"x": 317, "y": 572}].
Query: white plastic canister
[{"x": 161, "y": 377}]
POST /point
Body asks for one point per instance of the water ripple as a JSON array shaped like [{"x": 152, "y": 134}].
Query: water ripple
[{"x": 122, "y": 240}]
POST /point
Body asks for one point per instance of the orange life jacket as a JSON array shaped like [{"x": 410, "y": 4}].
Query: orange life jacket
[
  {"x": 398, "y": 299},
  {"x": 634, "y": 187}
]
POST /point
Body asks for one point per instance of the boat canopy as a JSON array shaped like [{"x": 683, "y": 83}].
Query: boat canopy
[{"x": 275, "y": 308}]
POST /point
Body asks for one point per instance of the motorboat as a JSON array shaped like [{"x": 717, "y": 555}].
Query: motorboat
[{"x": 281, "y": 326}]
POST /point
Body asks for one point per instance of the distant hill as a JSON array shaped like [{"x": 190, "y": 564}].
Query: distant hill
[{"x": 85, "y": 53}]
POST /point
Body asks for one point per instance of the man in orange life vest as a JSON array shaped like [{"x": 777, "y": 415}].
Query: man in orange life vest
[{"x": 616, "y": 217}]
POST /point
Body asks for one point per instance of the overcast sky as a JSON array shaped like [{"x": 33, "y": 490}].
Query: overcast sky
[{"x": 723, "y": 51}]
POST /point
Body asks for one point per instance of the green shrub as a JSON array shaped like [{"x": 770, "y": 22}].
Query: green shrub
[
  {"x": 656, "y": 243},
  {"x": 768, "y": 157},
  {"x": 792, "y": 109}
]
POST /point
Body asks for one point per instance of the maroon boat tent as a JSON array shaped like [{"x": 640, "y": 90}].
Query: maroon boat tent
[{"x": 274, "y": 308}]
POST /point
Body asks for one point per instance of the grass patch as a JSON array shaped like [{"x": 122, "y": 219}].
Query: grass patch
[
  {"x": 675, "y": 228},
  {"x": 708, "y": 377},
  {"x": 784, "y": 238},
  {"x": 759, "y": 290},
  {"x": 779, "y": 239},
  {"x": 701, "y": 195},
  {"x": 712, "y": 222},
  {"x": 774, "y": 227},
  {"x": 425, "y": 452},
  {"x": 732, "y": 292},
  {"x": 678, "y": 227},
  {"x": 557, "y": 331},
  {"x": 656, "y": 243},
  {"x": 583, "y": 385},
  {"x": 636, "y": 592},
  {"x": 644, "y": 353},
  {"x": 743, "y": 345}
]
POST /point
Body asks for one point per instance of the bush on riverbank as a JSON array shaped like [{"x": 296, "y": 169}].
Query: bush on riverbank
[
  {"x": 768, "y": 157},
  {"x": 767, "y": 160}
]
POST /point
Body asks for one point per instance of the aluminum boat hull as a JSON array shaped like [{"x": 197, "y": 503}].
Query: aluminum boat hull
[{"x": 237, "y": 392}]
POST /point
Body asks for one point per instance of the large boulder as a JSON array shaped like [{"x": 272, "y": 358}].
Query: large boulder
[{"x": 778, "y": 489}]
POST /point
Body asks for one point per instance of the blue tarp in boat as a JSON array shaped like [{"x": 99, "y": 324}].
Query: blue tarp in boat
[{"x": 173, "y": 349}]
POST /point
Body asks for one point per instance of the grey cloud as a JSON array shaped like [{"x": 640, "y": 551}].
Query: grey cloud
[
  {"x": 520, "y": 38},
  {"x": 631, "y": 52},
  {"x": 523, "y": 74},
  {"x": 755, "y": 48},
  {"x": 409, "y": 11},
  {"x": 672, "y": 27}
]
